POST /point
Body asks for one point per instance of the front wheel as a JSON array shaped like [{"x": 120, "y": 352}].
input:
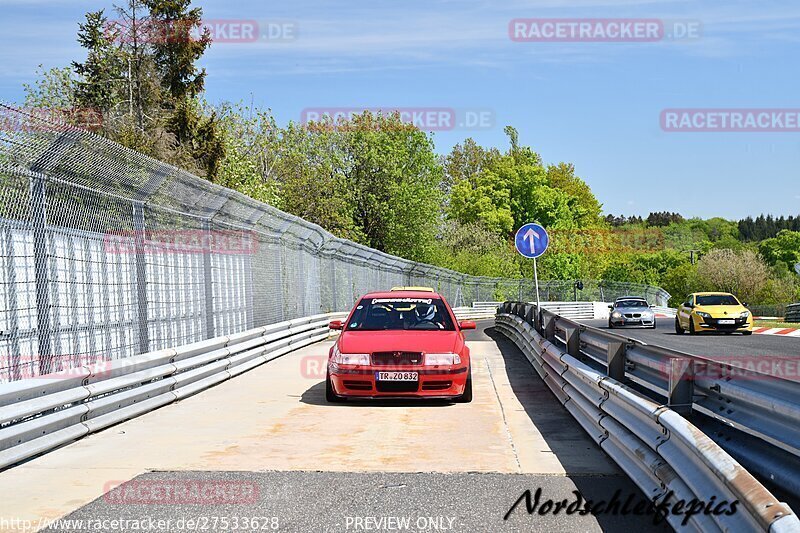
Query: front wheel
[
  {"x": 678, "y": 328},
  {"x": 692, "y": 331},
  {"x": 466, "y": 397},
  {"x": 654, "y": 324},
  {"x": 747, "y": 333}
]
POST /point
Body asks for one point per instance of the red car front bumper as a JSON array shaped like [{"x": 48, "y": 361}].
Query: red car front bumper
[{"x": 360, "y": 381}]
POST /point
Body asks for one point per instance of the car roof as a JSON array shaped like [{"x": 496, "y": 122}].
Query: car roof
[
  {"x": 631, "y": 298},
  {"x": 403, "y": 294},
  {"x": 712, "y": 294}
]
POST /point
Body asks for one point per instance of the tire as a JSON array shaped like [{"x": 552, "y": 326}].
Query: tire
[
  {"x": 654, "y": 324},
  {"x": 610, "y": 324},
  {"x": 678, "y": 329},
  {"x": 692, "y": 331},
  {"x": 747, "y": 333},
  {"x": 330, "y": 395},
  {"x": 466, "y": 397}
]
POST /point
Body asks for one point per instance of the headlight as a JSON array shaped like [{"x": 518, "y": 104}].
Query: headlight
[
  {"x": 349, "y": 358},
  {"x": 702, "y": 314},
  {"x": 745, "y": 314},
  {"x": 432, "y": 359},
  {"x": 616, "y": 314}
]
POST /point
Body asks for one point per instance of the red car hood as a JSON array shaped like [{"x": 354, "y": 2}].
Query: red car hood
[{"x": 403, "y": 341}]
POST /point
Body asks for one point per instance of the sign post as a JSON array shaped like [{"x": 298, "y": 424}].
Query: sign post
[{"x": 531, "y": 241}]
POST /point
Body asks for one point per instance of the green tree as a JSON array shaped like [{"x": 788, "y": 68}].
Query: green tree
[
  {"x": 101, "y": 74},
  {"x": 744, "y": 273},
  {"x": 782, "y": 249},
  {"x": 586, "y": 206},
  {"x": 53, "y": 89},
  {"x": 175, "y": 48},
  {"x": 395, "y": 180}
]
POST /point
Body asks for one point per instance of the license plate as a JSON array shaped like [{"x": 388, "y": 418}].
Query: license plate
[
  {"x": 727, "y": 322},
  {"x": 397, "y": 376}
]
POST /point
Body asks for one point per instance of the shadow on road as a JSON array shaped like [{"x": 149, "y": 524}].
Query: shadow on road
[{"x": 565, "y": 437}]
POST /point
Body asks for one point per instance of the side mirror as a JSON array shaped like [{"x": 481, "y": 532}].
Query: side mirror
[
  {"x": 745, "y": 304},
  {"x": 611, "y": 307},
  {"x": 467, "y": 324},
  {"x": 652, "y": 307},
  {"x": 335, "y": 324}
]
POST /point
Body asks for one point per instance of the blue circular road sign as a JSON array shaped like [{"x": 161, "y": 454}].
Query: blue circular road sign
[{"x": 532, "y": 240}]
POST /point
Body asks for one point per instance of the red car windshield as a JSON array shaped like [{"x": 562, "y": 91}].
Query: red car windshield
[{"x": 374, "y": 314}]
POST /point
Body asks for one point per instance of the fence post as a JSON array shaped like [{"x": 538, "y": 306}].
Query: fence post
[
  {"x": 208, "y": 280},
  {"x": 141, "y": 276},
  {"x": 40, "y": 263}
]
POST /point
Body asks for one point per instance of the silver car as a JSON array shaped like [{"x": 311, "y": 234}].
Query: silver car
[{"x": 631, "y": 311}]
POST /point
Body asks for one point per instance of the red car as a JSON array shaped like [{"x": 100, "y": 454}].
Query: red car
[{"x": 399, "y": 344}]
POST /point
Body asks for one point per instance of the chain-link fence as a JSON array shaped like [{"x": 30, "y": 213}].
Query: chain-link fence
[{"x": 107, "y": 253}]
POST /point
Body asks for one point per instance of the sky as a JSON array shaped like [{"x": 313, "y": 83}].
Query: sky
[{"x": 597, "y": 105}]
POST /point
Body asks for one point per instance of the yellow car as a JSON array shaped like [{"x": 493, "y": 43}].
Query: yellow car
[{"x": 713, "y": 311}]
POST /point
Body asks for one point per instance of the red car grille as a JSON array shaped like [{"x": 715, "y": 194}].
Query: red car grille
[
  {"x": 436, "y": 385},
  {"x": 396, "y": 358},
  {"x": 358, "y": 385}
]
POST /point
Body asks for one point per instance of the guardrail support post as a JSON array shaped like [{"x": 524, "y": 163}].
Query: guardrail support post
[
  {"x": 549, "y": 327},
  {"x": 680, "y": 384},
  {"x": 530, "y": 315},
  {"x": 573, "y": 339},
  {"x": 615, "y": 361}
]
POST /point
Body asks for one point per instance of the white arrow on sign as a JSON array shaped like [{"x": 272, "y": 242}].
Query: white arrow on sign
[{"x": 531, "y": 237}]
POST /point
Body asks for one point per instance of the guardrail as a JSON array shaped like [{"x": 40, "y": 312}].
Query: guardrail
[
  {"x": 474, "y": 313},
  {"x": 568, "y": 309},
  {"x": 590, "y": 371},
  {"x": 40, "y": 414},
  {"x": 793, "y": 313},
  {"x": 668, "y": 311}
]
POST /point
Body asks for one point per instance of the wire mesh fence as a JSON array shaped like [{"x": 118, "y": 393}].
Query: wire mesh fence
[{"x": 107, "y": 253}]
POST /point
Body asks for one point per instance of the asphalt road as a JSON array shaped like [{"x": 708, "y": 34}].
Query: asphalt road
[
  {"x": 377, "y": 501},
  {"x": 710, "y": 344}
]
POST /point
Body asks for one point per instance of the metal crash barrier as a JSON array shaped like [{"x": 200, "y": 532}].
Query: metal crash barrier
[
  {"x": 40, "y": 414},
  {"x": 630, "y": 397}
]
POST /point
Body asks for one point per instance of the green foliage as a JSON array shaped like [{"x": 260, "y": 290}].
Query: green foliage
[
  {"x": 53, "y": 89},
  {"x": 101, "y": 75},
  {"x": 175, "y": 49},
  {"x": 783, "y": 249},
  {"x": 503, "y": 191},
  {"x": 474, "y": 249}
]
